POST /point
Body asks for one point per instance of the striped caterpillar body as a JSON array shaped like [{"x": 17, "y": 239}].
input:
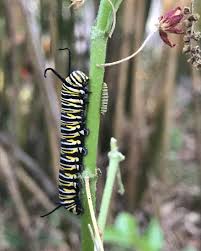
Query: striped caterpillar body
[
  {"x": 74, "y": 100},
  {"x": 104, "y": 101},
  {"x": 74, "y": 95}
]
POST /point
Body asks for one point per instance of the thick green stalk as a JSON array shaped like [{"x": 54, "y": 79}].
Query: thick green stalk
[{"x": 99, "y": 37}]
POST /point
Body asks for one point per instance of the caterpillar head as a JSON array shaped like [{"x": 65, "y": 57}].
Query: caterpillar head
[{"x": 78, "y": 78}]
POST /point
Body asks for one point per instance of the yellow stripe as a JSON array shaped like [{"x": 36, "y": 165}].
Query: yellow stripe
[{"x": 69, "y": 151}]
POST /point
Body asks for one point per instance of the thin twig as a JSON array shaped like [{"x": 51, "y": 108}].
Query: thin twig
[
  {"x": 92, "y": 213},
  {"x": 114, "y": 18},
  {"x": 137, "y": 111},
  {"x": 132, "y": 55},
  {"x": 128, "y": 27},
  {"x": 93, "y": 237},
  {"x": 47, "y": 90},
  {"x": 29, "y": 163},
  {"x": 121, "y": 189},
  {"x": 38, "y": 59},
  {"x": 10, "y": 179},
  {"x": 30, "y": 184},
  {"x": 14, "y": 65}
]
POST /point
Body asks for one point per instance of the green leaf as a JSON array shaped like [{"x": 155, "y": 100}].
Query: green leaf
[
  {"x": 154, "y": 236},
  {"x": 116, "y": 237},
  {"x": 124, "y": 232},
  {"x": 126, "y": 224},
  {"x": 189, "y": 249}
]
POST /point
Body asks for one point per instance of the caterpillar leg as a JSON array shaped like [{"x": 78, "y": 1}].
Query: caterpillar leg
[
  {"x": 84, "y": 151},
  {"x": 86, "y": 131}
]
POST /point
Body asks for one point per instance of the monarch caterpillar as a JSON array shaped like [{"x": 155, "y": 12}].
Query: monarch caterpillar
[
  {"x": 74, "y": 100},
  {"x": 104, "y": 99}
]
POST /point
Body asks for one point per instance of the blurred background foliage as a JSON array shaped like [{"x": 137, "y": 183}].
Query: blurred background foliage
[{"x": 154, "y": 112}]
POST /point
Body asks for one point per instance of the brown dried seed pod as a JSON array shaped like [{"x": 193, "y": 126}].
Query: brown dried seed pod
[
  {"x": 191, "y": 60},
  {"x": 186, "y": 38},
  {"x": 186, "y": 48},
  {"x": 199, "y": 61},
  {"x": 195, "y": 50},
  {"x": 188, "y": 31},
  {"x": 188, "y": 23},
  {"x": 196, "y": 64},
  {"x": 194, "y": 17},
  {"x": 187, "y": 10},
  {"x": 196, "y": 36},
  {"x": 199, "y": 66}
]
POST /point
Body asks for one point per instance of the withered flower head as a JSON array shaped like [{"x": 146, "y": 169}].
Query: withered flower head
[{"x": 171, "y": 22}]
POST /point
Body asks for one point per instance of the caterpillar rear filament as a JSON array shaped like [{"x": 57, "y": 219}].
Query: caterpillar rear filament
[{"x": 74, "y": 98}]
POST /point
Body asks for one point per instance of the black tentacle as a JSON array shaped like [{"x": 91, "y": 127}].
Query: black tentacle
[
  {"x": 56, "y": 73},
  {"x": 51, "y": 211},
  {"x": 69, "y": 61}
]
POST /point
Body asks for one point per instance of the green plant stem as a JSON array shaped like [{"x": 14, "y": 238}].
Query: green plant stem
[
  {"x": 99, "y": 37},
  {"x": 115, "y": 157}
]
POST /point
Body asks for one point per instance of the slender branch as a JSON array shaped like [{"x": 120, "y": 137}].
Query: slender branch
[
  {"x": 93, "y": 217},
  {"x": 137, "y": 110},
  {"x": 93, "y": 237},
  {"x": 29, "y": 164},
  {"x": 115, "y": 157},
  {"x": 121, "y": 189},
  {"x": 31, "y": 185},
  {"x": 132, "y": 55},
  {"x": 12, "y": 185},
  {"x": 47, "y": 90},
  {"x": 13, "y": 77},
  {"x": 38, "y": 60},
  {"x": 128, "y": 27},
  {"x": 114, "y": 18}
]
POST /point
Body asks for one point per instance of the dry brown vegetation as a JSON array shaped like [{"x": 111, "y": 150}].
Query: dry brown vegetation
[{"x": 154, "y": 112}]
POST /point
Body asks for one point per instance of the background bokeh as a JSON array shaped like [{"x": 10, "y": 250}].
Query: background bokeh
[{"x": 154, "y": 111}]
